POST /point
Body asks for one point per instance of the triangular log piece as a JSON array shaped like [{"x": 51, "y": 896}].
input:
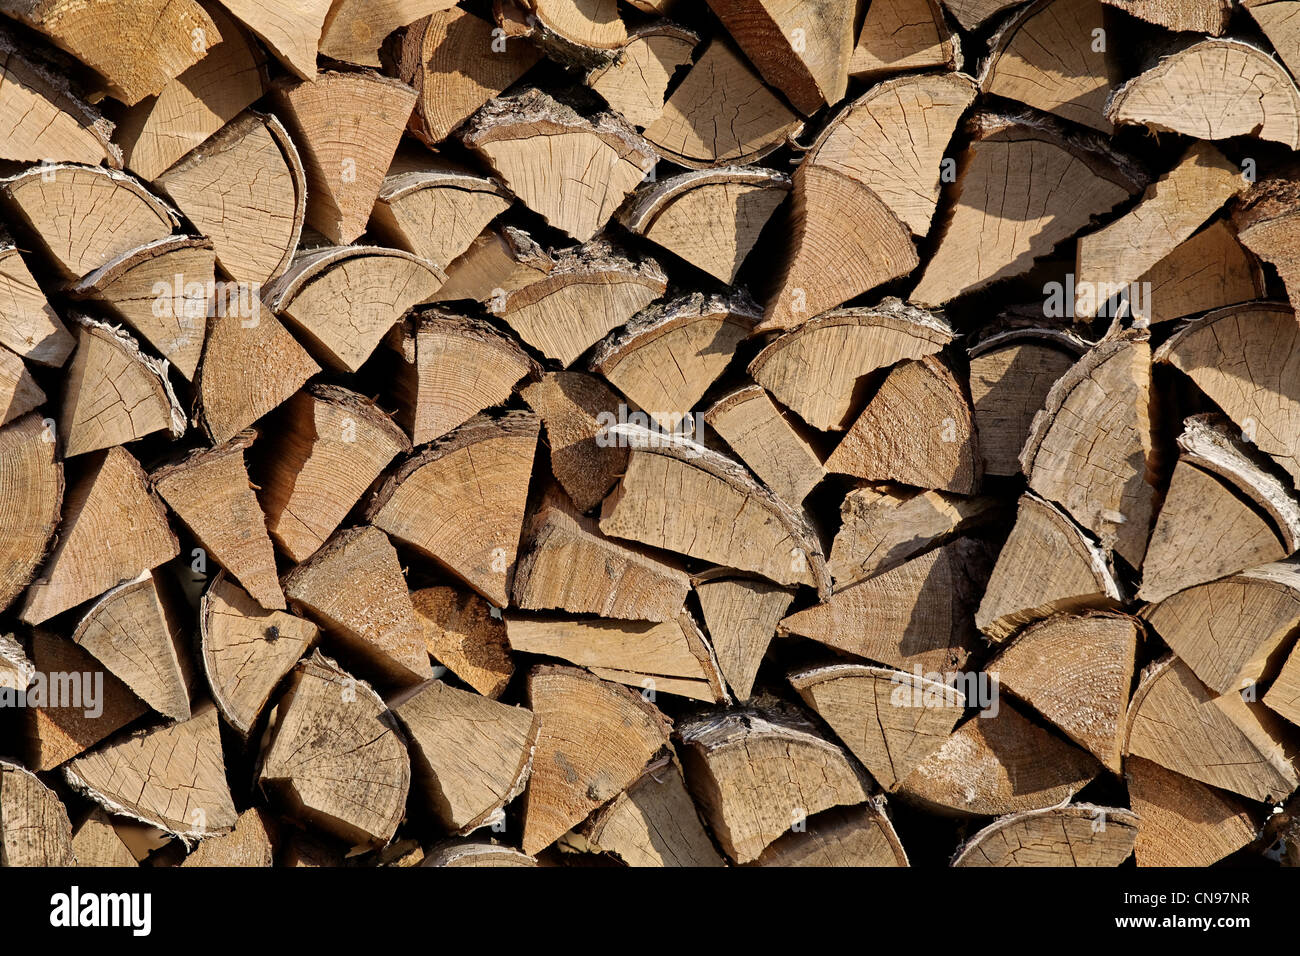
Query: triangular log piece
[
  {"x": 171, "y": 777},
  {"x": 1268, "y": 217},
  {"x": 31, "y": 503},
  {"x": 497, "y": 262},
  {"x": 1232, "y": 632},
  {"x": 917, "y": 615},
  {"x": 556, "y": 182},
  {"x": 918, "y": 429},
  {"x": 653, "y": 823},
  {"x": 450, "y": 368},
  {"x": 971, "y": 13},
  {"x": 114, "y": 393},
  {"x": 342, "y": 300},
  {"x": 1020, "y": 166},
  {"x": 347, "y": 127},
  {"x": 860, "y": 836},
  {"x": 998, "y": 764},
  {"x": 755, "y": 775},
  {"x": 354, "y": 589},
  {"x": 454, "y": 61},
  {"x": 1252, "y": 95},
  {"x": 329, "y": 446},
  {"x": 568, "y": 565},
  {"x": 471, "y": 755},
  {"x": 355, "y": 29},
  {"x": 246, "y": 190},
  {"x": 16, "y": 671},
  {"x": 137, "y": 631},
  {"x": 1283, "y": 696},
  {"x": 890, "y": 720},
  {"x": 95, "y": 843},
  {"x": 247, "y": 650},
  {"x": 334, "y": 758},
  {"x": 461, "y": 501},
  {"x": 635, "y": 84},
  {"x": 899, "y": 35},
  {"x": 761, "y": 435},
  {"x": 1182, "y": 822},
  {"x": 1221, "y": 514},
  {"x": 1226, "y": 741},
  {"x": 574, "y": 32},
  {"x": 709, "y": 217},
  {"x": 1047, "y": 565},
  {"x": 113, "y": 527},
  {"x": 19, "y": 393},
  {"x": 681, "y": 496},
  {"x": 1195, "y": 16},
  {"x": 477, "y": 854},
  {"x": 591, "y": 291},
  {"x": 1277, "y": 19},
  {"x": 671, "y": 657},
  {"x": 291, "y": 30},
  {"x": 210, "y": 492},
  {"x": 158, "y": 131},
  {"x": 1011, "y": 374},
  {"x": 575, "y": 407},
  {"x": 166, "y": 37},
  {"x": 741, "y": 615},
  {"x": 247, "y": 845},
  {"x": 56, "y": 734},
  {"x": 34, "y": 826},
  {"x": 1080, "y": 834},
  {"x": 69, "y": 209},
  {"x": 173, "y": 322},
  {"x": 668, "y": 355},
  {"x": 1075, "y": 670},
  {"x": 854, "y": 212},
  {"x": 1212, "y": 270},
  {"x": 722, "y": 114},
  {"x": 462, "y": 635},
  {"x": 596, "y": 739},
  {"x": 29, "y": 327}
]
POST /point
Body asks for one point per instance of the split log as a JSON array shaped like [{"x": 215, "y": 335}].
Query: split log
[
  {"x": 1209, "y": 271},
  {"x": 34, "y": 826},
  {"x": 347, "y": 126},
  {"x": 19, "y": 393},
  {"x": 1019, "y": 165},
  {"x": 890, "y": 720},
  {"x": 31, "y": 505},
  {"x": 557, "y": 182},
  {"x": 110, "y": 493},
  {"x": 290, "y": 30},
  {"x": 899, "y": 35},
  {"x": 247, "y": 650},
  {"x": 1240, "y": 90},
  {"x": 971, "y": 13},
  {"x": 171, "y": 777},
  {"x": 463, "y": 635},
  {"x": 355, "y": 29},
  {"x": 1197, "y": 16},
  {"x": 762, "y": 437},
  {"x": 1283, "y": 696},
  {"x": 574, "y": 407},
  {"x": 477, "y": 854},
  {"x": 575, "y": 33},
  {"x": 868, "y": 183},
  {"x": 1080, "y": 834},
  {"x": 917, "y": 615},
  {"x": 438, "y": 502},
  {"x": 1182, "y": 822},
  {"x": 247, "y": 845},
  {"x": 497, "y": 262},
  {"x": 333, "y": 756},
  {"x": 95, "y": 843},
  {"x": 1267, "y": 216},
  {"x": 1046, "y": 566},
  {"x": 722, "y": 114},
  {"x": 595, "y": 740},
  {"x": 635, "y": 83},
  {"x": 860, "y": 836},
  {"x": 472, "y": 756},
  {"x": 1227, "y": 742},
  {"x": 1276, "y": 19},
  {"x": 354, "y": 589},
  {"x": 755, "y": 775},
  {"x": 741, "y": 615},
  {"x": 29, "y": 327}
]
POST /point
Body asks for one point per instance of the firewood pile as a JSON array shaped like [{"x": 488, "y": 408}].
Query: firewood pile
[{"x": 571, "y": 432}]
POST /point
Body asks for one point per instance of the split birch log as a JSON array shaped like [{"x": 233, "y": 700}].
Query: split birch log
[
  {"x": 595, "y": 740},
  {"x": 497, "y": 262},
  {"x": 246, "y": 650},
  {"x": 756, "y": 775},
  {"x": 635, "y": 83},
  {"x": 171, "y": 777},
  {"x": 854, "y": 211},
  {"x": 1276, "y": 19},
  {"x": 247, "y": 845},
  {"x": 1020, "y": 163},
  {"x": 1196, "y": 16},
  {"x": 333, "y": 756},
  {"x": 1209, "y": 271},
  {"x": 29, "y": 327},
  {"x": 355, "y": 29},
  {"x": 34, "y": 826},
  {"x": 1046, "y": 566},
  {"x": 32, "y": 502},
  {"x": 110, "y": 493},
  {"x": 471, "y": 755},
  {"x": 971, "y": 13},
  {"x": 741, "y": 615},
  {"x": 1182, "y": 822},
  {"x": 860, "y": 836},
  {"x": 290, "y": 30},
  {"x": 890, "y": 720},
  {"x": 764, "y": 439},
  {"x": 899, "y": 35},
  {"x": 1080, "y": 834},
  {"x": 354, "y": 589},
  {"x": 95, "y": 843},
  {"x": 1213, "y": 89},
  {"x": 330, "y": 445},
  {"x": 574, "y": 407},
  {"x": 463, "y": 635}
]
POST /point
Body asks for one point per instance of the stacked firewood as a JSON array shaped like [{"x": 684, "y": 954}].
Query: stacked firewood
[{"x": 776, "y": 432}]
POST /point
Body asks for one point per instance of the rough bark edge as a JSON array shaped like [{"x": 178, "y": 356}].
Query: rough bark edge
[
  {"x": 155, "y": 366},
  {"x": 1081, "y": 810},
  {"x": 93, "y": 283},
  {"x": 650, "y": 201},
  {"x": 579, "y": 265},
  {"x": 9, "y": 185},
  {"x": 309, "y": 265},
  {"x": 659, "y": 319},
  {"x": 497, "y": 119}
]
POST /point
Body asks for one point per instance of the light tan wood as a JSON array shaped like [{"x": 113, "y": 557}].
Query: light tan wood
[
  {"x": 575, "y": 407},
  {"x": 900, "y": 35},
  {"x": 29, "y": 327},
  {"x": 573, "y": 31},
  {"x": 95, "y": 843},
  {"x": 1277, "y": 19},
  {"x": 1209, "y": 271},
  {"x": 34, "y": 826},
  {"x": 248, "y": 845},
  {"x": 635, "y": 83},
  {"x": 355, "y": 29},
  {"x": 291, "y": 30},
  {"x": 1197, "y": 16},
  {"x": 477, "y": 854},
  {"x": 1267, "y": 218},
  {"x": 497, "y": 262},
  {"x": 1080, "y": 834},
  {"x": 971, "y": 13},
  {"x": 1283, "y": 696},
  {"x": 860, "y": 836},
  {"x": 463, "y": 635},
  {"x": 19, "y": 393},
  {"x": 765, "y": 440},
  {"x": 1182, "y": 822}
]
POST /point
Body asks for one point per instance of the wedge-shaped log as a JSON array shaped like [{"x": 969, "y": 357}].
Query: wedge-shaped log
[
  {"x": 636, "y": 82},
  {"x": 34, "y": 826},
  {"x": 31, "y": 503},
  {"x": 1277, "y": 19},
  {"x": 1182, "y": 822},
  {"x": 741, "y": 615},
  {"x": 842, "y": 837},
  {"x": 1211, "y": 270},
  {"x": 461, "y": 633},
  {"x": 899, "y": 35},
  {"x": 571, "y": 31},
  {"x": 1268, "y": 217},
  {"x": 247, "y": 845},
  {"x": 1080, "y": 834},
  {"x": 355, "y": 29},
  {"x": 497, "y": 262},
  {"x": 575, "y": 408},
  {"x": 764, "y": 439},
  {"x": 971, "y": 13},
  {"x": 95, "y": 843},
  {"x": 19, "y": 393},
  {"x": 290, "y": 30},
  {"x": 1195, "y": 16},
  {"x": 29, "y": 327}
]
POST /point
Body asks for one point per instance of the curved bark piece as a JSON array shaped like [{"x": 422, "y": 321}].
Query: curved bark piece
[
  {"x": 246, "y": 190},
  {"x": 900, "y": 35},
  {"x": 819, "y": 369},
  {"x": 689, "y": 499},
  {"x": 869, "y": 182},
  {"x": 34, "y": 826},
  {"x": 1080, "y": 834},
  {"x": 247, "y": 650},
  {"x": 498, "y": 261},
  {"x": 1195, "y": 16},
  {"x": 741, "y": 615},
  {"x": 334, "y": 758},
  {"x": 355, "y": 29},
  {"x": 29, "y": 327},
  {"x": 291, "y": 30},
  {"x": 1047, "y": 565},
  {"x": 758, "y": 432},
  {"x": 596, "y": 738},
  {"x": 1212, "y": 270},
  {"x": 1213, "y": 89},
  {"x": 477, "y": 854},
  {"x": 636, "y": 83},
  {"x": 860, "y": 836},
  {"x": 575, "y": 408},
  {"x": 461, "y": 501},
  {"x": 1182, "y": 822},
  {"x": 461, "y": 633},
  {"x": 31, "y": 504}
]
